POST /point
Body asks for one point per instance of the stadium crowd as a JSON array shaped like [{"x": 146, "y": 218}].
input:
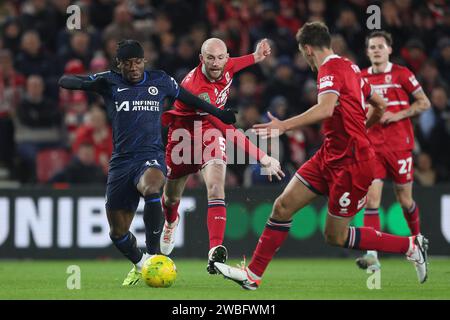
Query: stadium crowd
[{"x": 50, "y": 135}]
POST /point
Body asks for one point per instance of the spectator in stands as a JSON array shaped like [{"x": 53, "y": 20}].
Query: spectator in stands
[
  {"x": 143, "y": 18},
  {"x": 74, "y": 104},
  {"x": 11, "y": 34},
  {"x": 248, "y": 91},
  {"x": 7, "y": 9},
  {"x": 79, "y": 49},
  {"x": 60, "y": 11},
  {"x": 198, "y": 34},
  {"x": 347, "y": 25},
  {"x": 97, "y": 131},
  {"x": 429, "y": 77},
  {"x": 65, "y": 35},
  {"x": 268, "y": 28},
  {"x": 283, "y": 83},
  {"x": 33, "y": 59},
  {"x": 435, "y": 131},
  {"x": 429, "y": 119},
  {"x": 302, "y": 70},
  {"x": 109, "y": 48},
  {"x": 414, "y": 54},
  {"x": 248, "y": 116},
  {"x": 122, "y": 25},
  {"x": 151, "y": 54},
  {"x": 141, "y": 10},
  {"x": 11, "y": 87},
  {"x": 101, "y": 12},
  {"x": 424, "y": 173},
  {"x": 82, "y": 169},
  {"x": 286, "y": 18},
  {"x": 393, "y": 24},
  {"x": 443, "y": 58},
  {"x": 316, "y": 10},
  {"x": 424, "y": 27},
  {"x": 40, "y": 16},
  {"x": 339, "y": 46},
  {"x": 279, "y": 107},
  {"x": 181, "y": 13},
  {"x": 98, "y": 64},
  {"x": 184, "y": 60},
  {"x": 37, "y": 125}
]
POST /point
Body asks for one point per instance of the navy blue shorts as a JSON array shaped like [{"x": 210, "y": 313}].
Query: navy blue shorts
[{"x": 123, "y": 177}]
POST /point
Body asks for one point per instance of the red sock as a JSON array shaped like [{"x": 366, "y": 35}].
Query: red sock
[
  {"x": 216, "y": 221},
  {"x": 170, "y": 212},
  {"x": 369, "y": 239},
  {"x": 412, "y": 218},
  {"x": 271, "y": 239},
  {"x": 372, "y": 219}
]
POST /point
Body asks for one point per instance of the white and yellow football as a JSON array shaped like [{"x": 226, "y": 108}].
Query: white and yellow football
[{"x": 159, "y": 271}]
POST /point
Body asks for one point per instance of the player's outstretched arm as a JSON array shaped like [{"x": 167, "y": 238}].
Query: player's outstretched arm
[
  {"x": 227, "y": 115},
  {"x": 376, "y": 110},
  {"x": 261, "y": 52},
  {"x": 83, "y": 83},
  {"x": 323, "y": 110}
]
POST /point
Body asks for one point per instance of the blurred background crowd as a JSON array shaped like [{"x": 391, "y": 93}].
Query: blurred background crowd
[{"x": 51, "y": 135}]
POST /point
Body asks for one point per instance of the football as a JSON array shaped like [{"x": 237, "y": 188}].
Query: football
[{"x": 159, "y": 271}]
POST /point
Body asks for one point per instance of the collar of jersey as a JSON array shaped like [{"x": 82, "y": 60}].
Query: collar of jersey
[
  {"x": 331, "y": 56},
  {"x": 386, "y": 70}
]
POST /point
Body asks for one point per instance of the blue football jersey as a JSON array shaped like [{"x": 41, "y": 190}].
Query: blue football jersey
[{"x": 135, "y": 110}]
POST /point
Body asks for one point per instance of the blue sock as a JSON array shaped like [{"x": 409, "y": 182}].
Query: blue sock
[
  {"x": 153, "y": 220},
  {"x": 128, "y": 246}
]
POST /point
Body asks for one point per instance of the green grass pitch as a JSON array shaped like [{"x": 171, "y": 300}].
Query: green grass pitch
[{"x": 285, "y": 279}]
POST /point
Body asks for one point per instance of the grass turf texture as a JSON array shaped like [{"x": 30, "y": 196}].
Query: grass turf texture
[{"x": 285, "y": 279}]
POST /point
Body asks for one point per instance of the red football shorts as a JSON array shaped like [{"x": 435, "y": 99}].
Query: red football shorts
[
  {"x": 396, "y": 165},
  {"x": 345, "y": 185},
  {"x": 190, "y": 148}
]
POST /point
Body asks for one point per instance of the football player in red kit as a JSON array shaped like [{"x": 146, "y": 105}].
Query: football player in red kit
[
  {"x": 342, "y": 168},
  {"x": 210, "y": 80},
  {"x": 393, "y": 137}
]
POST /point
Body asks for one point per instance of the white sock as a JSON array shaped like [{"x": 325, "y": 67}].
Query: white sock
[
  {"x": 144, "y": 258},
  {"x": 411, "y": 246},
  {"x": 373, "y": 252}
]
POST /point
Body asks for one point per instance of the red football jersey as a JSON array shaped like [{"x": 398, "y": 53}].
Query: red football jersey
[
  {"x": 394, "y": 85},
  {"x": 345, "y": 131},
  {"x": 214, "y": 92}
]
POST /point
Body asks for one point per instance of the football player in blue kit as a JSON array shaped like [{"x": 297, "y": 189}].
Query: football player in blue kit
[{"x": 134, "y": 99}]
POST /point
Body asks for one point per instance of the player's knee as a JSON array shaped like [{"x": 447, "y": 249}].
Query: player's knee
[
  {"x": 373, "y": 201},
  {"x": 405, "y": 200},
  {"x": 216, "y": 191},
  {"x": 280, "y": 210},
  {"x": 151, "y": 189}
]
